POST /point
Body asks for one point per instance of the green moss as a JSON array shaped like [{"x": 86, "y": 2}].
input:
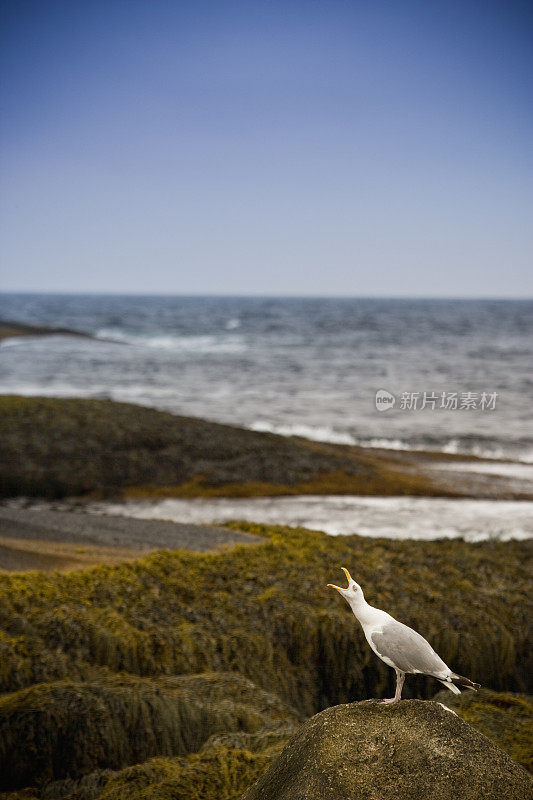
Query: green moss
[
  {"x": 211, "y": 775},
  {"x": 263, "y": 612},
  {"x": 66, "y": 729},
  {"x": 224, "y": 768}
]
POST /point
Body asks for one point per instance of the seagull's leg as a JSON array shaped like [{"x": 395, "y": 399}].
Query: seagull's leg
[{"x": 400, "y": 677}]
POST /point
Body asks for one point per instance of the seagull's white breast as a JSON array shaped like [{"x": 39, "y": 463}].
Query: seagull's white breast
[{"x": 373, "y": 623}]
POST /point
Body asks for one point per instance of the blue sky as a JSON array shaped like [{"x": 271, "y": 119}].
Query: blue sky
[{"x": 299, "y": 148}]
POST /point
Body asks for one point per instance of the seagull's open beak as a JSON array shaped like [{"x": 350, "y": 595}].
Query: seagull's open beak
[{"x": 338, "y": 588}]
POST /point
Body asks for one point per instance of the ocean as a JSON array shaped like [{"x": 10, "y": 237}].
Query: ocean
[
  {"x": 295, "y": 365},
  {"x": 361, "y": 371}
]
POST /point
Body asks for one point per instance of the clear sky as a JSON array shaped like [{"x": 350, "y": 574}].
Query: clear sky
[{"x": 293, "y": 147}]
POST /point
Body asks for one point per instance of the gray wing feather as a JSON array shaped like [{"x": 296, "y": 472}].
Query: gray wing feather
[{"x": 407, "y": 650}]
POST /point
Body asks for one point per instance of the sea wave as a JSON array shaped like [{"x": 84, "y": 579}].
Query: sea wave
[
  {"x": 522, "y": 471},
  {"x": 453, "y": 446},
  {"x": 137, "y": 393},
  {"x": 316, "y": 434},
  {"x": 185, "y": 344},
  {"x": 389, "y": 517},
  {"x": 13, "y": 341}
]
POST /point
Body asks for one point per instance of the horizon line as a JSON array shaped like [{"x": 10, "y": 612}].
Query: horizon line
[{"x": 254, "y": 296}]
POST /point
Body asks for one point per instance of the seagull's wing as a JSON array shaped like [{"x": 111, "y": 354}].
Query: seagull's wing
[{"x": 406, "y": 650}]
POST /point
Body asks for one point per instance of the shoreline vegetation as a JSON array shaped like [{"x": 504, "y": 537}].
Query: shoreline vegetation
[
  {"x": 97, "y": 449},
  {"x": 188, "y": 672},
  {"x": 182, "y": 675}
]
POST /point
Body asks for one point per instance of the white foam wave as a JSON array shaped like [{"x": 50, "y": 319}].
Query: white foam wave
[
  {"x": 328, "y": 434},
  {"x": 389, "y": 517},
  {"x": 387, "y": 444},
  {"x": 452, "y": 447},
  {"x": 184, "y": 344},
  {"x": 51, "y": 390},
  {"x": 13, "y": 341},
  {"x": 522, "y": 471},
  {"x": 320, "y": 434}
]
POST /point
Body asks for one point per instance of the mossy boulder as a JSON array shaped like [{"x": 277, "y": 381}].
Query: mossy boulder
[
  {"x": 504, "y": 717},
  {"x": 371, "y": 751}
]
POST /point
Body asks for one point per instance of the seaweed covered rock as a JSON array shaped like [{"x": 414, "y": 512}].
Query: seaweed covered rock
[
  {"x": 371, "y": 751},
  {"x": 216, "y": 774},
  {"x": 265, "y": 612},
  {"x": 57, "y": 447},
  {"x": 223, "y": 769},
  {"x": 66, "y": 729}
]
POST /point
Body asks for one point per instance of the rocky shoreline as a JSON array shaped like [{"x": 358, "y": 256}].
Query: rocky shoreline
[
  {"x": 56, "y": 448},
  {"x": 176, "y": 661},
  {"x": 10, "y": 329}
]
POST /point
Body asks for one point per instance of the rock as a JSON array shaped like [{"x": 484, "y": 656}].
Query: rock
[
  {"x": 66, "y": 729},
  {"x": 504, "y": 717},
  {"x": 59, "y": 447},
  {"x": 10, "y": 329},
  {"x": 371, "y": 751}
]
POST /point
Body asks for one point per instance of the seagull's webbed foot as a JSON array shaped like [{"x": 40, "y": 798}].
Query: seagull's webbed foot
[{"x": 390, "y": 700}]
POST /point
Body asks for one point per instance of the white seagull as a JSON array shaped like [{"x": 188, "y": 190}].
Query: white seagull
[{"x": 399, "y": 646}]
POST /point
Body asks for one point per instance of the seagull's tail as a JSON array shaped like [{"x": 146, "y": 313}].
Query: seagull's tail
[
  {"x": 465, "y": 683},
  {"x": 449, "y": 685}
]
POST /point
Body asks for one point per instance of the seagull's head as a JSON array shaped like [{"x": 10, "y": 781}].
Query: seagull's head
[{"x": 353, "y": 590}]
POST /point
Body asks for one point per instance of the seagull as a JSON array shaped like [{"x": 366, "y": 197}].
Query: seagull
[{"x": 399, "y": 646}]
